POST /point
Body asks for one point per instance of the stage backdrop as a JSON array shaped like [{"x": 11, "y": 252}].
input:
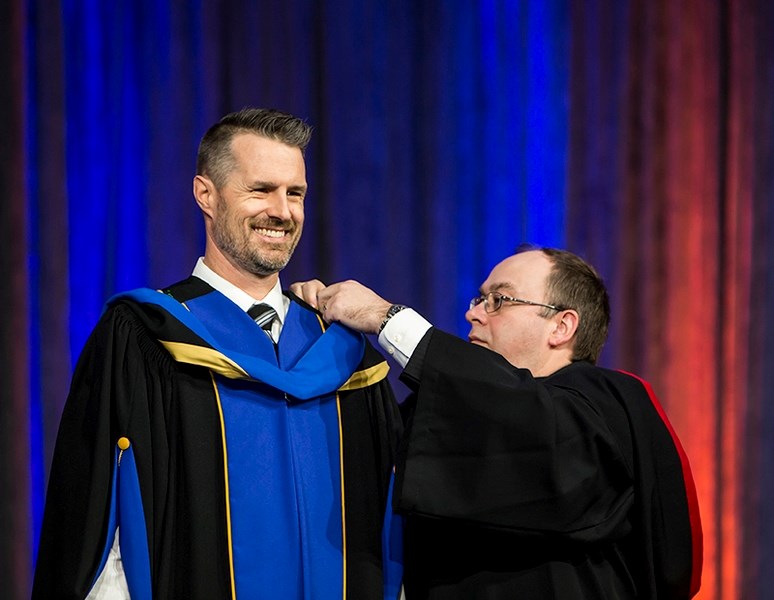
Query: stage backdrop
[{"x": 637, "y": 133}]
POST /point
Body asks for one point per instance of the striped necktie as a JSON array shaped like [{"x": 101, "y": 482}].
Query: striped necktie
[{"x": 264, "y": 315}]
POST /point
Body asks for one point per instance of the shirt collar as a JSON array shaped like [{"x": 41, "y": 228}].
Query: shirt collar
[{"x": 275, "y": 298}]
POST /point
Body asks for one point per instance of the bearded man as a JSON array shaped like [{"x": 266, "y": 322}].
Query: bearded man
[{"x": 219, "y": 439}]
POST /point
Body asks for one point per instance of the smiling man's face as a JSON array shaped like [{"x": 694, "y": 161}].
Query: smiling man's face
[{"x": 258, "y": 213}]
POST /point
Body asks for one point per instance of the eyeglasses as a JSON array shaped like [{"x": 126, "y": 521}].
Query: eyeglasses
[{"x": 493, "y": 301}]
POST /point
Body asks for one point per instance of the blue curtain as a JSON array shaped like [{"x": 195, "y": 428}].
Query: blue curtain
[
  {"x": 440, "y": 144},
  {"x": 446, "y": 133}
]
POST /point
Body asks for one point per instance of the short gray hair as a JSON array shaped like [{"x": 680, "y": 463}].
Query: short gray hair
[{"x": 215, "y": 160}]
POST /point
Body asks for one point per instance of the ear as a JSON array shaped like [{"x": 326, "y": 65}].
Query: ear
[
  {"x": 565, "y": 326},
  {"x": 205, "y": 193}
]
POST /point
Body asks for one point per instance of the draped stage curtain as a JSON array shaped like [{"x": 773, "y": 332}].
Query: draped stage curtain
[{"x": 637, "y": 133}]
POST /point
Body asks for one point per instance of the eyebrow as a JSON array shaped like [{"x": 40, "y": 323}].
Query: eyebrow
[
  {"x": 257, "y": 185},
  {"x": 499, "y": 286}
]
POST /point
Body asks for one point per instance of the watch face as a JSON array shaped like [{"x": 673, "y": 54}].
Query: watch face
[
  {"x": 395, "y": 309},
  {"x": 391, "y": 312}
]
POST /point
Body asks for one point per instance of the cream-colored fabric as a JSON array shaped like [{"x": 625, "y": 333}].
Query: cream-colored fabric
[{"x": 111, "y": 583}]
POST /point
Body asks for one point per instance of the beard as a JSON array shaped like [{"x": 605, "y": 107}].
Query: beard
[{"x": 255, "y": 256}]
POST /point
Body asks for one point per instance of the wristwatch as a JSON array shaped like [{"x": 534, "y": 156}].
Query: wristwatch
[{"x": 391, "y": 312}]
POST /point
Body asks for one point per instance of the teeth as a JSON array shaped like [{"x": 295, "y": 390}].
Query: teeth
[{"x": 270, "y": 232}]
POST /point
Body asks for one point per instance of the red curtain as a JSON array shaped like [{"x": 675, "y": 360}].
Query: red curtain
[{"x": 688, "y": 156}]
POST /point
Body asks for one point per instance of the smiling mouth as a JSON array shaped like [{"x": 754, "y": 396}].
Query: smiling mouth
[{"x": 272, "y": 233}]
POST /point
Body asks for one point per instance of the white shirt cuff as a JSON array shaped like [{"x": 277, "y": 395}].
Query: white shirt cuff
[{"x": 400, "y": 336}]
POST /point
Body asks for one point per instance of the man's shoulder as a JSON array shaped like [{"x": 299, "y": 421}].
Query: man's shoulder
[
  {"x": 584, "y": 370},
  {"x": 122, "y": 331},
  {"x": 623, "y": 380},
  {"x": 602, "y": 385},
  {"x": 158, "y": 314},
  {"x": 170, "y": 298},
  {"x": 188, "y": 289},
  {"x": 607, "y": 386}
]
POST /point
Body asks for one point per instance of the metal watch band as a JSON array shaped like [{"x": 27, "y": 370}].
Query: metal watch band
[{"x": 391, "y": 312}]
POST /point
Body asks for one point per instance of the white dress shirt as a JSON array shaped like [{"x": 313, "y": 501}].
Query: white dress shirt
[{"x": 279, "y": 302}]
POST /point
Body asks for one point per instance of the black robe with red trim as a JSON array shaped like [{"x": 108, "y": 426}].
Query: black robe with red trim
[
  {"x": 571, "y": 486},
  {"x": 138, "y": 379}
]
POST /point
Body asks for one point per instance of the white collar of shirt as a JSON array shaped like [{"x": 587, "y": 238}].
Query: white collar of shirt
[{"x": 242, "y": 299}]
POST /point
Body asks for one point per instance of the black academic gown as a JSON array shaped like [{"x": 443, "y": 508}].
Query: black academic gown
[
  {"x": 566, "y": 487},
  {"x": 128, "y": 385}
]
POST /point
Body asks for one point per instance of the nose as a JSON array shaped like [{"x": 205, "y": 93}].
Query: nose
[
  {"x": 278, "y": 206},
  {"x": 477, "y": 314}
]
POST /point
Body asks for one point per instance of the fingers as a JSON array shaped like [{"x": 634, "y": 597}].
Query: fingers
[
  {"x": 347, "y": 302},
  {"x": 308, "y": 291},
  {"x": 353, "y": 305}
]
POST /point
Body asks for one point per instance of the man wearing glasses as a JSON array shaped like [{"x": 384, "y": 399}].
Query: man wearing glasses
[{"x": 527, "y": 471}]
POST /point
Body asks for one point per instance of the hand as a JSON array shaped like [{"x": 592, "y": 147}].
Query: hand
[
  {"x": 308, "y": 290},
  {"x": 354, "y": 305}
]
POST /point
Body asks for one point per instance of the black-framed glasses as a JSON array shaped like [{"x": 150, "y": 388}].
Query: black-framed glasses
[{"x": 493, "y": 301}]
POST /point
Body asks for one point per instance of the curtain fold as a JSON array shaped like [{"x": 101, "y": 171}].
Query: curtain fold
[
  {"x": 637, "y": 133},
  {"x": 756, "y": 453},
  {"x": 14, "y": 445}
]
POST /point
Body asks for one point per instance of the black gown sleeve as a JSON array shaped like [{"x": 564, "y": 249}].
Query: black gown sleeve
[
  {"x": 506, "y": 479},
  {"x": 490, "y": 445},
  {"x": 78, "y": 496},
  {"x": 126, "y": 385},
  {"x": 667, "y": 545}
]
